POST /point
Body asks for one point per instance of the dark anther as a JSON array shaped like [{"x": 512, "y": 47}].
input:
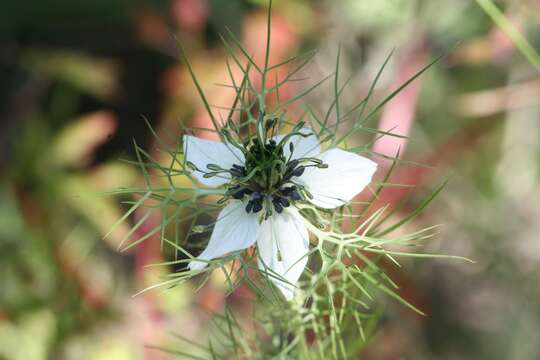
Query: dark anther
[
  {"x": 299, "y": 171},
  {"x": 280, "y": 203},
  {"x": 277, "y": 204},
  {"x": 281, "y": 200},
  {"x": 292, "y": 164},
  {"x": 294, "y": 195},
  {"x": 249, "y": 206},
  {"x": 239, "y": 194},
  {"x": 285, "y": 191},
  {"x": 256, "y": 202},
  {"x": 290, "y": 192},
  {"x": 285, "y": 202},
  {"x": 238, "y": 171},
  {"x": 257, "y": 205}
]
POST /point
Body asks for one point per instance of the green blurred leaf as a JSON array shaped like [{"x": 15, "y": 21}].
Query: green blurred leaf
[{"x": 95, "y": 76}]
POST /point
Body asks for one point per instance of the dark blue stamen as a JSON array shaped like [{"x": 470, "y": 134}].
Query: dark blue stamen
[
  {"x": 256, "y": 195},
  {"x": 292, "y": 164},
  {"x": 277, "y": 207},
  {"x": 285, "y": 202},
  {"x": 281, "y": 200},
  {"x": 295, "y": 195},
  {"x": 280, "y": 203},
  {"x": 249, "y": 206},
  {"x": 238, "y": 171},
  {"x": 290, "y": 193},
  {"x": 298, "y": 171},
  {"x": 272, "y": 177},
  {"x": 239, "y": 194},
  {"x": 285, "y": 191},
  {"x": 257, "y": 206}
]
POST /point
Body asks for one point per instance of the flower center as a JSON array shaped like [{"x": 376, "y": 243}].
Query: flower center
[{"x": 267, "y": 180}]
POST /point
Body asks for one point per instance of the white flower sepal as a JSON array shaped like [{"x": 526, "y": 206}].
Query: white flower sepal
[{"x": 282, "y": 239}]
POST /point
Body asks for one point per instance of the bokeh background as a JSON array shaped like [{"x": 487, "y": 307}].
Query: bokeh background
[{"x": 77, "y": 79}]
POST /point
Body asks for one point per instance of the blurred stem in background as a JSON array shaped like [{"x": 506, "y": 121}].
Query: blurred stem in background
[{"x": 517, "y": 37}]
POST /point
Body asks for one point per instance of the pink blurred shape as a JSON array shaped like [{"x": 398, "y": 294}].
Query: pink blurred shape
[
  {"x": 148, "y": 317},
  {"x": 148, "y": 251},
  {"x": 398, "y": 116},
  {"x": 283, "y": 38},
  {"x": 190, "y": 15},
  {"x": 283, "y": 42}
]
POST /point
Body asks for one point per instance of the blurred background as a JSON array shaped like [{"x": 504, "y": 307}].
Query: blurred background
[{"x": 77, "y": 78}]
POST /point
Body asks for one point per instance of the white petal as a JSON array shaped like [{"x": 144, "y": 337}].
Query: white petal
[
  {"x": 287, "y": 234},
  {"x": 234, "y": 230},
  {"x": 202, "y": 152},
  {"x": 346, "y": 176},
  {"x": 303, "y": 146}
]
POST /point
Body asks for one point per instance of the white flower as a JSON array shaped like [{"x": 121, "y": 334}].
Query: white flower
[{"x": 282, "y": 237}]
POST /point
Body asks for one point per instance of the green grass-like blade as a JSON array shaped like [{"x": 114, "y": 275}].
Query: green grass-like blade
[{"x": 521, "y": 42}]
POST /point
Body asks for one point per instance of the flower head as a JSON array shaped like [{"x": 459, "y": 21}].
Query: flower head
[{"x": 266, "y": 179}]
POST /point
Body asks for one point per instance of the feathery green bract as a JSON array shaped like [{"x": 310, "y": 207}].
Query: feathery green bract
[{"x": 337, "y": 306}]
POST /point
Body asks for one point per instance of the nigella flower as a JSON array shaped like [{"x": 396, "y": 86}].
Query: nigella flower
[{"x": 265, "y": 180}]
